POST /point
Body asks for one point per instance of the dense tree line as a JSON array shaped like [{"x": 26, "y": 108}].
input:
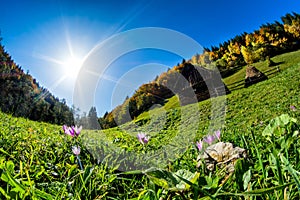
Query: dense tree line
[
  {"x": 144, "y": 98},
  {"x": 270, "y": 40},
  {"x": 21, "y": 95},
  {"x": 87, "y": 121}
]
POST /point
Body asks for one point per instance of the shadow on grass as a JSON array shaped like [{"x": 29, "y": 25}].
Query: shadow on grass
[
  {"x": 274, "y": 64},
  {"x": 230, "y": 72}
]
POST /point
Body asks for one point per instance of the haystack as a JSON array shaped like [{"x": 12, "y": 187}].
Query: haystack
[{"x": 253, "y": 75}]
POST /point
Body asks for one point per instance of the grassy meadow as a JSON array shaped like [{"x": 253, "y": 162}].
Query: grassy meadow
[{"x": 37, "y": 162}]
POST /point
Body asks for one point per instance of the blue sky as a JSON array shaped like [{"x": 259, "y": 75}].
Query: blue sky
[{"x": 43, "y": 36}]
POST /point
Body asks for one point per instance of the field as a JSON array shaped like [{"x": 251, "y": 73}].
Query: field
[{"x": 37, "y": 162}]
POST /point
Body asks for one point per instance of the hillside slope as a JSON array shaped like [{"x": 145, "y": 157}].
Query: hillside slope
[
  {"x": 284, "y": 61},
  {"x": 36, "y": 159},
  {"x": 21, "y": 95},
  {"x": 248, "y": 108}
]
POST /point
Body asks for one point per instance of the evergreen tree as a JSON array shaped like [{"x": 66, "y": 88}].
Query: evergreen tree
[{"x": 93, "y": 119}]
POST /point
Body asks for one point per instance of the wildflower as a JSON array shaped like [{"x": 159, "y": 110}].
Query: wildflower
[
  {"x": 218, "y": 134},
  {"x": 68, "y": 130},
  {"x": 77, "y": 130},
  {"x": 146, "y": 140},
  {"x": 140, "y": 137},
  {"x": 143, "y": 138},
  {"x": 199, "y": 145},
  {"x": 76, "y": 150},
  {"x": 72, "y": 131},
  {"x": 64, "y": 127},
  {"x": 293, "y": 108},
  {"x": 209, "y": 139}
]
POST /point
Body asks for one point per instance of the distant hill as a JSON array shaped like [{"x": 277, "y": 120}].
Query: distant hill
[
  {"x": 189, "y": 82},
  {"x": 245, "y": 49},
  {"x": 21, "y": 95}
]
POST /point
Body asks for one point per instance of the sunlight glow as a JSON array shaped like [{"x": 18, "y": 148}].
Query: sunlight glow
[{"x": 72, "y": 66}]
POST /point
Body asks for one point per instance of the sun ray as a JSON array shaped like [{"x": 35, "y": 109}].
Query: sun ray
[
  {"x": 134, "y": 13},
  {"x": 58, "y": 82},
  {"x": 51, "y": 88},
  {"x": 47, "y": 58},
  {"x": 69, "y": 43}
]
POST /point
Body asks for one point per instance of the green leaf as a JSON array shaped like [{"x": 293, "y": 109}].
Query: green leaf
[
  {"x": 257, "y": 192},
  {"x": 42, "y": 195},
  {"x": 10, "y": 166},
  {"x": 265, "y": 190},
  {"x": 42, "y": 170},
  {"x": 72, "y": 168},
  {"x": 239, "y": 170},
  {"x": 4, "y": 193},
  {"x": 258, "y": 155},
  {"x": 187, "y": 175},
  {"x": 275, "y": 126},
  {"x": 5, "y": 152},
  {"x": 292, "y": 171},
  {"x": 6, "y": 176},
  {"x": 86, "y": 176},
  {"x": 172, "y": 181},
  {"x": 246, "y": 178},
  {"x": 162, "y": 178}
]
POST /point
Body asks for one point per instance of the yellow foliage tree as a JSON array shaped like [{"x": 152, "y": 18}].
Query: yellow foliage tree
[
  {"x": 247, "y": 54},
  {"x": 249, "y": 39},
  {"x": 234, "y": 48},
  {"x": 294, "y": 28},
  {"x": 251, "y": 56}
]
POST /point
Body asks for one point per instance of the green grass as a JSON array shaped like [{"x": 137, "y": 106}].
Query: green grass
[
  {"x": 36, "y": 160},
  {"x": 282, "y": 61},
  {"x": 244, "y": 108}
]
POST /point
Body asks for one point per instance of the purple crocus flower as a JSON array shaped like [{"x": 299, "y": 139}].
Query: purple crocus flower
[
  {"x": 140, "y": 137},
  {"x": 218, "y": 134},
  {"x": 199, "y": 145},
  {"x": 76, "y": 150},
  {"x": 293, "y": 108},
  {"x": 64, "y": 127},
  {"x": 77, "y": 130},
  {"x": 68, "y": 130},
  {"x": 209, "y": 139},
  {"x": 146, "y": 140},
  {"x": 143, "y": 138},
  {"x": 72, "y": 131}
]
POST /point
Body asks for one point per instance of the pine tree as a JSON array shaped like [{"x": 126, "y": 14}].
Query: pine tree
[{"x": 93, "y": 119}]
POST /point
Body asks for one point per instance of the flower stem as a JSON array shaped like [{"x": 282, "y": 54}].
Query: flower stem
[{"x": 79, "y": 162}]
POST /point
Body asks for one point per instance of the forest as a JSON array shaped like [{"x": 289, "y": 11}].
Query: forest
[{"x": 22, "y": 96}]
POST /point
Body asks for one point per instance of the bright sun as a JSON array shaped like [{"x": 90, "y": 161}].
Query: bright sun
[{"x": 72, "y": 66}]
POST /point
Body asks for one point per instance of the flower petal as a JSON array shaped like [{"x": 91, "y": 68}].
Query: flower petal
[
  {"x": 76, "y": 150},
  {"x": 199, "y": 145},
  {"x": 218, "y": 134}
]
